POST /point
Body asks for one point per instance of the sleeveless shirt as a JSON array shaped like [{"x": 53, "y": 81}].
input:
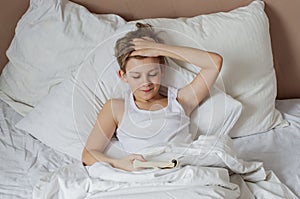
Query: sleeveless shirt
[{"x": 139, "y": 128}]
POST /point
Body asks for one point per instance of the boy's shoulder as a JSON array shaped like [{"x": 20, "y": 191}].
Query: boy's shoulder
[
  {"x": 115, "y": 102},
  {"x": 115, "y": 107}
]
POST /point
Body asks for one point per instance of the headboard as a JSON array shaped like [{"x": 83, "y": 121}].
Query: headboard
[{"x": 283, "y": 19}]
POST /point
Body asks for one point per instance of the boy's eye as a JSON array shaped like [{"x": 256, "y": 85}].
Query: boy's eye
[
  {"x": 153, "y": 74},
  {"x": 135, "y": 77}
]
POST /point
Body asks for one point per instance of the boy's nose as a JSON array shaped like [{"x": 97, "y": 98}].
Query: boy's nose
[
  {"x": 146, "y": 79},
  {"x": 146, "y": 82}
]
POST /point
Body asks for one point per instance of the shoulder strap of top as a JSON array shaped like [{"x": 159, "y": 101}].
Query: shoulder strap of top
[
  {"x": 127, "y": 101},
  {"x": 172, "y": 95}
]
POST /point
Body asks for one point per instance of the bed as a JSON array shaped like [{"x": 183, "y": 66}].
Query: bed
[{"x": 51, "y": 91}]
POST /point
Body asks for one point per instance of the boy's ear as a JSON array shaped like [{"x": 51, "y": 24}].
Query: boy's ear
[{"x": 122, "y": 75}]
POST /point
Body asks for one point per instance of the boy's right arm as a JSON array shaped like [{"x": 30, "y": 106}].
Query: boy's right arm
[{"x": 100, "y": 136}]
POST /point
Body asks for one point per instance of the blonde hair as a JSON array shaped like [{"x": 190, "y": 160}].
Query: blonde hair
[{"x": 124, "y": 48}]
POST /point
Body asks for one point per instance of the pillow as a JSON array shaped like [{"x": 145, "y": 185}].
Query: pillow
[
  {"x": 242, "y": 37},
  {"x": 51, "y": 40},
  {"x": 64, "y": 119}
]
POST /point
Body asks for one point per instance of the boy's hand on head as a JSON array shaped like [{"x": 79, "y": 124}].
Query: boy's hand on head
[{"x": 146, "y": 47}]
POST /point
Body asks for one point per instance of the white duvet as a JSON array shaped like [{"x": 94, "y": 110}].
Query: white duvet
[{"x": 207, "y": 168}]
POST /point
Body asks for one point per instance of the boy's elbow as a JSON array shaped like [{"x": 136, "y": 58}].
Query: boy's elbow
[
  {"x": 85, "y": 158},
  {"x": 218, "y": 61}
]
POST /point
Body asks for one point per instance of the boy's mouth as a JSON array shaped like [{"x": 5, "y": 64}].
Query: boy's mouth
[{"x": 147, "y": 90}]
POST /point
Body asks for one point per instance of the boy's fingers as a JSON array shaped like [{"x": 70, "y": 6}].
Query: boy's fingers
[
  {"x": 137, "y": 52},
  {"x": 134, "y": 53},
  {"x": 139, "y": 157}
]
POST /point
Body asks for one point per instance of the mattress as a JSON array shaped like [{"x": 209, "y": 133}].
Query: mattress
[{"x": 24, "y": 159}]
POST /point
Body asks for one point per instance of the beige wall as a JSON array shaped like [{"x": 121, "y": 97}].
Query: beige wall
[
  {"x": 10, "y": 12},
  {"x": 284, "y": 17}
]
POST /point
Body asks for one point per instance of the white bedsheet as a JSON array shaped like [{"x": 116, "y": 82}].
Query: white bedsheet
[
  {"x": 279, "y": 149},
  {"x": 24, "y": 160},
  {"x": 204, "y": 170}
]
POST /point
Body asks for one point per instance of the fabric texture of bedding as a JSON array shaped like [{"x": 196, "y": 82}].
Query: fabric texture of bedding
[
  {"x": 247, "y": 75},
  {"x": 51, "y": 40},
  {"x": 205, "y": 167},
  {"x": 26, "y": 160},
  {"x": 277, "y": 148}
]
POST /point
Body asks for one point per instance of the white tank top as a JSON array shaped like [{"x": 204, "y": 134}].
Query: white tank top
[{"x": 142, "y": 128}]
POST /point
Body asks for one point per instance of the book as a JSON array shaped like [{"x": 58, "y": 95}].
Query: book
[{"x": 155, "y": 164}]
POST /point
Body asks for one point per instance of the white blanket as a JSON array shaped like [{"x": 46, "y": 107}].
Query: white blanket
[{"x": 208, "y": 168}]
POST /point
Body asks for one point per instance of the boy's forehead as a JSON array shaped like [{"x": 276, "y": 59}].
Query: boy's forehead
[
  {"x": 144, "y": 67},
  {"x": 143, "y": 64},
  {"x": 139, "y": 59}
]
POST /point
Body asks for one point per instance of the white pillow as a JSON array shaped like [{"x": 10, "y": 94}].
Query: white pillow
[
  {"x": 242, "y": 37},
  {"x": 51, "y": 40}
]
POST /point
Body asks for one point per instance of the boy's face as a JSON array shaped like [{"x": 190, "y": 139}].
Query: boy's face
[{"x": 143, "y": 76}]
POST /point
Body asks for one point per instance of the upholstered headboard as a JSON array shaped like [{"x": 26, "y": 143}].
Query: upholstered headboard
[{"x": 283, "y": 17}]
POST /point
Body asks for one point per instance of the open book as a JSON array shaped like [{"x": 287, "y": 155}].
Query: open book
[{"x": 158, "y": 164}]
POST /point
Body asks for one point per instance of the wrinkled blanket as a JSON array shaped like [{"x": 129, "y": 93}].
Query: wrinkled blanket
[{"x": 207, "y": 168}]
